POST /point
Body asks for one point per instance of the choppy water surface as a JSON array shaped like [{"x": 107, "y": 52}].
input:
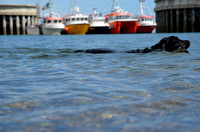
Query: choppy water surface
[{"x": 44, "y": 86}]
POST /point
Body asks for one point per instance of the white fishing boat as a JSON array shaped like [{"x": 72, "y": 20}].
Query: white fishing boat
[
  {"x": 53, "y": 23},
  {"x": 98, "y": 24}
]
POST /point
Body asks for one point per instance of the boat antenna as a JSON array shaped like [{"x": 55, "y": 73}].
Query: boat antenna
[{"x": 50, "y": 11}]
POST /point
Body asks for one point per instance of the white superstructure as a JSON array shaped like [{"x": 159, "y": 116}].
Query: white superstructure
[
  {"x": 97, "y": 20},
  {"x": 53, "y": 23},
  {"x": 75, "y": 16}
]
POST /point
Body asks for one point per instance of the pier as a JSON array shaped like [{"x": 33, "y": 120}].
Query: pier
[
  {"x": 177, "y": 16},
  {"x": 14, "y": 19}
]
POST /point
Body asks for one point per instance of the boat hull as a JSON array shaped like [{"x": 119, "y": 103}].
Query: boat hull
[
  {"x": 33, "y": 30},
  {"x": 77, "y": 28},
  {"x": 145, "y": 29},
  {"x": 123, "y": 27},
  {"x": 52, "y": 29},
  {"x": 98, "y": 30}
]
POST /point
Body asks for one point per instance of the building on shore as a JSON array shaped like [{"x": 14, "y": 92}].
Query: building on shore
[
  {"x": 177, "y": 16},
  {"x": 14, "y": 19}
]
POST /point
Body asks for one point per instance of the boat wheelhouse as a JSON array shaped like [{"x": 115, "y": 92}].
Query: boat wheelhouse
[{"x": 97, "y": 24}]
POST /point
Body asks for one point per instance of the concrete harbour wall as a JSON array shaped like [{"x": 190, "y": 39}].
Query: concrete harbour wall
[
  {"x": 14, "y": 19},
  {"x": 177, "y": 16}
]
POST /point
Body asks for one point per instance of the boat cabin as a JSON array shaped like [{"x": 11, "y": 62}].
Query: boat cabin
[
  {"x": 77, "y": 19},
  {"x": 53, "y": 20},
  {"x": 145, "y": 19},
  {"x": 96, "y": 19},
  {"x": 118, "y": 15}
]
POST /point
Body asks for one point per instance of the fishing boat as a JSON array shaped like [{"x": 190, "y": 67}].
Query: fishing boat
[
  {"x": 121, "y": 21},
  {"x": 76, "y": 22},
  {"x": 97, "y": 24},
  {"x": 52, "y": 22},
  {"x": 145, "y": 21}
]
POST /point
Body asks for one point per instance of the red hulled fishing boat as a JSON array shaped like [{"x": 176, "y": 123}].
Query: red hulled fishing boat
[{"x": 120, "y": 21}]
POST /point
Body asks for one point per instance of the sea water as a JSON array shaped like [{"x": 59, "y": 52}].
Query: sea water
[{"x": 45, "y": 86}]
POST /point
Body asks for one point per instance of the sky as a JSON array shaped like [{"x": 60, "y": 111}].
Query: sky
[{"x": 103, "y": 6}]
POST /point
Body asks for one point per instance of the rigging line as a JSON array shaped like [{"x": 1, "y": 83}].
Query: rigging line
[
  {"x": 105, "y": 6},
  {"x": 69, "y": 10},
  {"x": 94, "y": 3},
  {"x": 148, "y": 10},
  {"x": 136, "y": 9},
  {"x": 112, "y": 6},
  {"x": 54, "y": 9},
  {"x": 105, "y": 12}
]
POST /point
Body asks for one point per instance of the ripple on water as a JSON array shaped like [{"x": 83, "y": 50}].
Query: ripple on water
[
  {"x": 43, "y": 56},
  {"x": 44, "y": 86},
  {"x": 22, "y": 105},
  {"x": 197, "y": 69}
]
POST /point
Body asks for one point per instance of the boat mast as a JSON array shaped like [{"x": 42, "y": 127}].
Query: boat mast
[
  {"x": 117, "y": 3},
  {"x": 95, "y": 12},
  {"x": 50, "y": 11},
  {"x": 118, "y": 7},
  {"x": 72, "y": 8},
  {"x": 141, "y": 6},
  {"x": 144, "y": 7},
  {"x": 112, "y": 6}
]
